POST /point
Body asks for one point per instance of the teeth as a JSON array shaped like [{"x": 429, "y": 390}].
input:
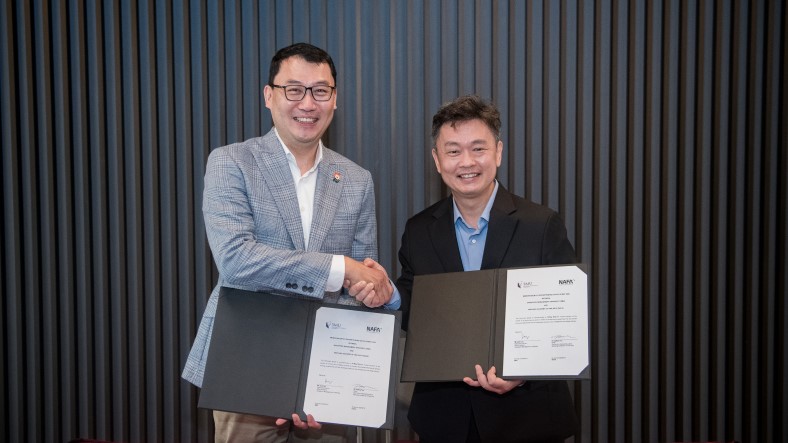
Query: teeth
[
  {"x": 305, "y": 120},
  {"x": 468, "y": 175}
]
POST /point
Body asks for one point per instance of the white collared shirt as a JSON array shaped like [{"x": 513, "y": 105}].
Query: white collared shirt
[{"x": 305, "y": 186}]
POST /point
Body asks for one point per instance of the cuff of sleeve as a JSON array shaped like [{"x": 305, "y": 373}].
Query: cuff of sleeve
[
  {"x": 336, "y": 275},
  {"x": 395, "y": 301}
]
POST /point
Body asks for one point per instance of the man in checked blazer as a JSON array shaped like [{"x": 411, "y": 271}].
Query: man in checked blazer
[
  {"x": 285, "y": 214},
  {"x": 481, "y": 226}
]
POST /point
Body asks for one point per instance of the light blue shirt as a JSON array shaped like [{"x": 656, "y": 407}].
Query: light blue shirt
[
  {"x": 471, "y": 241},
  {"x": 396, "y": 299}
]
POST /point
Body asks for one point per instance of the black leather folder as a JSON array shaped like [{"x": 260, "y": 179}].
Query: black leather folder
[
  {"x": 259, "y": 354},
  {"x": 457, "y": 321}
]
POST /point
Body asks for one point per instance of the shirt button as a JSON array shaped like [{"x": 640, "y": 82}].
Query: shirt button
[{"x": 473, "y": 241}]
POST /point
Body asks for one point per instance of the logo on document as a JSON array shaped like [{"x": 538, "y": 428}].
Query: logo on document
[
  {"x": 525, "y": 284},
  {"x": 332, "y": 325}
]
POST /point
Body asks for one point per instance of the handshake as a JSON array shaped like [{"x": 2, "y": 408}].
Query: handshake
[{"x": 368, "y": 282}]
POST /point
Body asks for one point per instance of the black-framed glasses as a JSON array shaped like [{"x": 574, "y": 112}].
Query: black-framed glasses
[{"x": 296, "y": 93}]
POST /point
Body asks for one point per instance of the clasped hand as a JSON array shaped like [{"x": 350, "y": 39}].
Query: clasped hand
[
  {"x": 368, "y": 282},
  {"x": 491, "y": 382}
]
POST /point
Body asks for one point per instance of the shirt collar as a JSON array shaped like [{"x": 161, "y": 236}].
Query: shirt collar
[
  {"x": 291, "y": 158},
  {"x": 485, "y": 214}
]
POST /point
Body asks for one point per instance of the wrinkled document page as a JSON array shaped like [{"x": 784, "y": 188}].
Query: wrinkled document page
[
  {"x": 350, "y": 367},
  {"x": 546, "y": 327}
]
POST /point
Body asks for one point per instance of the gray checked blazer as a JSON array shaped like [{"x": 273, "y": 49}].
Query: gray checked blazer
[{"x": 253, "y": 225}]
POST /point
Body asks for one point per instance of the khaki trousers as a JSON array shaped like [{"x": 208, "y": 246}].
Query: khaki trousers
[{"x": 246, "y": 428}]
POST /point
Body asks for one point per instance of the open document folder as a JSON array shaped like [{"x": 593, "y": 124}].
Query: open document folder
[
  {"x": 530, "y": 323},
  {"x": 275, "y": 356}
]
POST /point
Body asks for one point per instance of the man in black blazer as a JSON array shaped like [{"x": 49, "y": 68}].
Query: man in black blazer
[{"x": 482, "y": 226}]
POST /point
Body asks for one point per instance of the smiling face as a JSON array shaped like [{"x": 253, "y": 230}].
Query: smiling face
[
  {"x": 300, "y": 124},
  {"x": 467, "y": 157}
]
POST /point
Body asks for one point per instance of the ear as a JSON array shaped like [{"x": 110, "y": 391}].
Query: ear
[
  {"x": 267, "y": 95},
  {"x": 498, "y": 153},
  {"x": 435, "y": 158}
]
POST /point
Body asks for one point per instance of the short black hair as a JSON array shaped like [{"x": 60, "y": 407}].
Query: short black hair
[
  {"x": 310, "y": 53},
  {"x": 465, "y": 108}
]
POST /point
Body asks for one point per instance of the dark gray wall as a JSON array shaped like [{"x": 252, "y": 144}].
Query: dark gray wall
[{"x": 657, "y": 129}]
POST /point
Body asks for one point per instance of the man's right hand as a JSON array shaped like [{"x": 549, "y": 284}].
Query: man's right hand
[
  {"x": 300, "y": 424},
  {"x": 368, "y": 282}
]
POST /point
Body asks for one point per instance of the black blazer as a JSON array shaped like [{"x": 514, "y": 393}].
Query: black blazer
[{"x": 519, "y": 233}]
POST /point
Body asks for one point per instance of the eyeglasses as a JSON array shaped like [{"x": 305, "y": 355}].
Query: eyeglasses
[{"x": 295, "y": 93}]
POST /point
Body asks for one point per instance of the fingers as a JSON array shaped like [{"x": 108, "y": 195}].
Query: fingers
[
  {"x": 495, "y": 384},
  {"x": 491, "y": 382},
  {"x": 491, "y": 378},
  {"x": 368, "y": 282},
  {"x": 311, "y": 423},
  {"x": 360, "y": 289},
  {"x": 471, "y": 382},
  {"x": 382, "y": 294},
  {"x": 368, "y": 262},
  {"x": 356, "y": 271},
  {"x": 298, "y": 423},
  {"x": 480, "y": 378},
  {"x": 365, "y": 293}
]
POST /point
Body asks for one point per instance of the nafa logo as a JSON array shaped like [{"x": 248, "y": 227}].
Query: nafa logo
[
  {"x": 373, "y": 329},
  {"x": 568, "y": 281}
]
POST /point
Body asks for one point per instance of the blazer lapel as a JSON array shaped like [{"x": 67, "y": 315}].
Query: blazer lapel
[
  {"x": 276, "y": 173},
  {"x": 444, "y": 238},
  {"x": 500, "y": 230},
  {"x": 328, "y": 191}
]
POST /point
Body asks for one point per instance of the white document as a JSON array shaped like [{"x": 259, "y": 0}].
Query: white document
[
  {"x": 350, "y": 367},
  {"x": 546, "y": 327}
]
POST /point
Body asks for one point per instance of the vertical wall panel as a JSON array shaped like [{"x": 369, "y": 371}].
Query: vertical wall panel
[
  {"x": 656, "y": 128},
  {"x": 11, "y": 400}
]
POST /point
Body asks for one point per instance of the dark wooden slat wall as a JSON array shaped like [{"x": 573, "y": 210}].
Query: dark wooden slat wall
[{"x": 657, "y": 129}]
